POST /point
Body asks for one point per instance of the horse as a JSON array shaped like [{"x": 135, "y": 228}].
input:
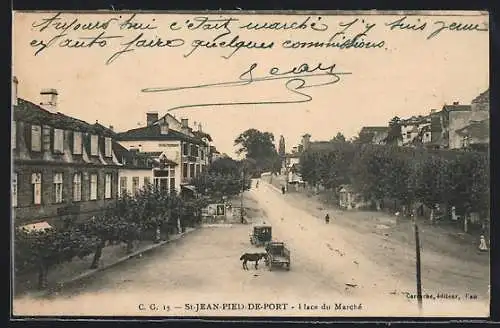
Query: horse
[{"x": 252, "y": 257}]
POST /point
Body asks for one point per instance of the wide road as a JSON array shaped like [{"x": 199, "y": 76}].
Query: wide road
[{"x": 204, "y": 267}]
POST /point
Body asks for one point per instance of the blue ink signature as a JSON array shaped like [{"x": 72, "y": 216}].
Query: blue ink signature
[{"x": 296, "y": 79}]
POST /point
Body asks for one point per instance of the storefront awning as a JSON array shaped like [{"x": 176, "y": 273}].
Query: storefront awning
[
  {"x": 189, "y": 187},
  {"x": 39, "y": 226}
]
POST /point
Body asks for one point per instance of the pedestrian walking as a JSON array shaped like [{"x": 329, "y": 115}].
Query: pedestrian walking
[
  {"x": 283, "y": 190},
  {"x": 327, "y": 218},
  {"x": 257, "y": 184},
  {"x": 482, "y": 244}
]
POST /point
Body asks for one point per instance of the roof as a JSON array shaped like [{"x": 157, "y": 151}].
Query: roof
[
  {"x": 201, "y": 134},
  {"x": 26, "y": 111},
  {"x": 370, "y": 129},
  {"x": 452, "y": 108},
  {"x": 484, "y": 97},
  {"x": 153, "y": 132}
]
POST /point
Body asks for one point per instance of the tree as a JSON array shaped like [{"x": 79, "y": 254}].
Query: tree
[
  {"x": 225, "y": 165},
  {"x": 281, "y": 147},
  {"x": 339, "y": 137},
  {"x": 258, "y": 146},
  {"x": 394, "y": 134}
]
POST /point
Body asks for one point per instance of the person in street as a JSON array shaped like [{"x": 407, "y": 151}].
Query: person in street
[
  {"x": 283, "y": 190},
  {"x": 257, "y": 184},
  {"x": 327, "y": 218},
  {"x": 482, "y": 244}
]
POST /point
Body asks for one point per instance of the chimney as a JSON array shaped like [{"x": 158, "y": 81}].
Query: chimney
[
  {"x": 199, "y": 127},
  {"x": 49, "y": 99},
  {"x": 164, "y": 128},
  {"x": 305, "y": 141},
  {"x": 15, "y": 82},
  {"x": 455, "y": 103},
  {"x": 111, "y": 128},
  {"x": 184, "y": 123},
  {"x": 151, "y": 117}
]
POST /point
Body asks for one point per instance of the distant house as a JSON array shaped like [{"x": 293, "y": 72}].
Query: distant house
[
  {"x": 475, "y": 136},
  {"x": 411, "y": 130},
  {"x": 349, "y": 199},
  {"x": 450, "y": 120},
  {"x": 373, "y": 134}
]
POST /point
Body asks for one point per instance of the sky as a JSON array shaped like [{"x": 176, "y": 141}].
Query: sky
[{"x": 408, "y": 75}]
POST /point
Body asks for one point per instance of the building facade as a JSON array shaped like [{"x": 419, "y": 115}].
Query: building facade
[
  {"x": 64, "y": 169},
  {"x": 184, "y": 153}
]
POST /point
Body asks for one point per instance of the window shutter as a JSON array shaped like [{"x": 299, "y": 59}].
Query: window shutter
[{"x": 27, "y": 135}]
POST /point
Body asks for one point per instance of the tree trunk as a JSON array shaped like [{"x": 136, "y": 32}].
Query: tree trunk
[
  {"x": 157, "y": 234},
  {"x": 42, "y": 275},
  {"x": 130, "y": 247},
  {"x": 97, "y": 255}
]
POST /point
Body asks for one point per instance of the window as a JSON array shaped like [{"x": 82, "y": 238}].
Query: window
[
  {"x": 185, "y": 150},
  {"x": 14, "y": 135},
  {"x": 172, "y": 184},
  {"x": 135, "y": 185},
  {"x": 58, "y": 188},
  {"x": 77, "y": 187},
  {"x": 36, "y": 138},
  {"x": 107, "y": 186},
  {"x": 172, "y": 172},
  {"x": 191, "y": 170},
  {"x": 202, "y": 154},
  {"x": 107, "y": 147},
  {"x": 93, "y": 186},
  {"x": 46, "y": 138},
  {"x": 147, "y": 181},
  {"x": 123, "y": 185},
  {"x": 36, "y": 181},
  {"x": 58, "y": 140},
  {"x": 184, "y": 170},
  {"x": 197, "y": 169},
  {"x": 77, "y": 143},
  {"x": 94, "y": 143},
  {"x": 14, "y": 190}
]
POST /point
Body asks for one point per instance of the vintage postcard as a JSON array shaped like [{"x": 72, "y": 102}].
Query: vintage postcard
[{"x": 210, "y": 164}]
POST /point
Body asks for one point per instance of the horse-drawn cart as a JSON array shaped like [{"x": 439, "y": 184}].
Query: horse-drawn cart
[
  {"x": 261, "y": 235},
  {"x": 278, "y": 255}
]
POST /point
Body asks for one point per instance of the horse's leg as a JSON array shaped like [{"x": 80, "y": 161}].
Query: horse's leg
[{"x": 245, "y": 267}]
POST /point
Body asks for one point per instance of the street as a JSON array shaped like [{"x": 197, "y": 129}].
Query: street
[{"x": 200, "y": 275}]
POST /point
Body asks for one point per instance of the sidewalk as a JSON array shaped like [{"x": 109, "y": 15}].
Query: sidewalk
[{"x": 71, "y": 272}]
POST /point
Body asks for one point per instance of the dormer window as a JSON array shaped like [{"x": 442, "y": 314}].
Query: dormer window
[
  {"x": 77, "y": 143},
  {"x": 36, "y": 138},
  {"x": 58, "y": 140},
  {"x": 164, "y": 128},
  {"x": 94, "y": 142},
  {"x": 107, "y": 147}
]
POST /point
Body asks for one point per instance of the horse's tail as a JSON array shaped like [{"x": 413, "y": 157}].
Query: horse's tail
[{"x": 242, "y": 257}]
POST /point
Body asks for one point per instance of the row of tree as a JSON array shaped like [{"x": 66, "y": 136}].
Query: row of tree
[
  {"x": 407, "y": 175},
  {"x": 151, "y": 214}
]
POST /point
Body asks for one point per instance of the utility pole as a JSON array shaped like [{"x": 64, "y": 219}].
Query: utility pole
[
  {"x": 418, "y": 273},
  {"x": 241, "y": 195}
]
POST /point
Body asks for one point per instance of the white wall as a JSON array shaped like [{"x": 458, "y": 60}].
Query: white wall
[
  {"x": 172, "y": 147},
  {"x": 129, "y": 173}
]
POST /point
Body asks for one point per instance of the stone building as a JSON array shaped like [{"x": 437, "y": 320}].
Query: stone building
[{"x": 64, "y": 169}]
